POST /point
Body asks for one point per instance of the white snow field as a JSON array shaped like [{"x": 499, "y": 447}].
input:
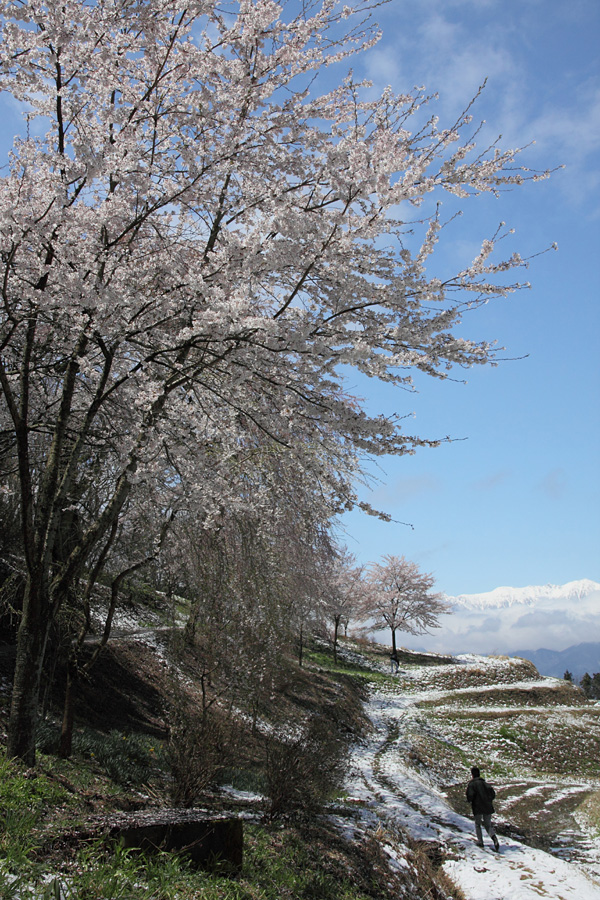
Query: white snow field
[
  {"x": 507, "y": 619},
  {"x": 389, "y": 791}
]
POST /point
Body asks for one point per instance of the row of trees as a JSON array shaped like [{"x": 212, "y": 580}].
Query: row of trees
[
  {"x": 590, "y": 684},
  {"x": 196, "y": 246},
  {"x": 393, "y": 595}
]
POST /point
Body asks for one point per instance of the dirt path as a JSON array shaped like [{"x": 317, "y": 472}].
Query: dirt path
[
  {"x": 397, "y": 794},
  {"x": 541, "y": 814}
]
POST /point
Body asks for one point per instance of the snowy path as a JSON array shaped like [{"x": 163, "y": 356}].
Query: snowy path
[{"x": 396, "y": 795}]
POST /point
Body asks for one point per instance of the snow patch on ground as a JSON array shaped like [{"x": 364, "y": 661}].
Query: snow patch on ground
[{"x": 387, "y": 794}]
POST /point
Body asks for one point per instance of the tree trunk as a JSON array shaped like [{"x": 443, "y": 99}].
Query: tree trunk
[
  {"x": 31, "y": 650},
  {"x": 51, "y": 660},
  {"x": 65, "y": 747},
  {"x": 336, "y": 626},
  {"x": 393, "y": 630}
]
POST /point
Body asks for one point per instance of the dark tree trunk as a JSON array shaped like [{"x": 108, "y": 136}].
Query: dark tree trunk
[
  {"x": 31, "y": 650},
  {"x": 336, "y": 628},
  {"x": 394, "y": 652},
  {"x": 65, "y": 747}
]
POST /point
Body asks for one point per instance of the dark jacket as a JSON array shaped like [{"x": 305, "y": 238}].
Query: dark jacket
[{"x": 480, "y": 796}]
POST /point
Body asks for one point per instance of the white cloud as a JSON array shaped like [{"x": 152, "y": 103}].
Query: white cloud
[
  {"x": 402, "y": 489},
  {"x": 554, "y": 484},
  {"x": 552, "y": 623},
  {"x": 451, "y": 51},
  {"x": 384, "y": 69},
  {"x": 571, "y": 136},
  {"x": 492, "y": 481},
  {"x": 575, "y": 128},
  {"x": 440, "y": 52}
]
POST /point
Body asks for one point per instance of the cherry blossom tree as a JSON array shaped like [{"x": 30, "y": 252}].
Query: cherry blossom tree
[
  {"x": 398, "y": 596},
  {"x": 195, "y": 245},
  {"x": 343, "y": 591}
]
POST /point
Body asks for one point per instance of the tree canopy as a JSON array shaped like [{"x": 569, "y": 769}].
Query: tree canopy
[
  {"x": 399, "y": 596},
  {"x": 196, "y": 244}
]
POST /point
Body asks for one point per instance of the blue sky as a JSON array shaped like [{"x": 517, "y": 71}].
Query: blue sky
[{"x": 515, "y": 499}]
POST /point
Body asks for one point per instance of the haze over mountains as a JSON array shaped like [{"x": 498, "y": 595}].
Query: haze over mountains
[
  {"x": 577, "y": 660},
  {"x": 553, "y": 618}
]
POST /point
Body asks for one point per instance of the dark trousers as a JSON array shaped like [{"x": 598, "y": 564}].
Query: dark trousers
[{"x": 486, "y": 821}]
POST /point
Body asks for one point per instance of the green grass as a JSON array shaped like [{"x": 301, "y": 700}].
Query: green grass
[
  {"x": 324, "y": 660},
  {"x": 37, "y": 804},
  {"x": 126, "y": 758},
  {"x": 284, "y": 864},
  {"x": 41, "y": 811},
  {"x": 243, "y": 780},
  {"x": 278, "y": 863},
  {"x": 25, "y": 798},
  {"x": 538, "y": 742},
  {"x": 511, "y": 698},
  {"x": 510, "y": 735}
]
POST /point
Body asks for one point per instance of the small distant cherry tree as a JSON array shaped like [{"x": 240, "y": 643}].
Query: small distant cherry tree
[
  {"x": 195, "y": 245},
  {"x": 342, "y": 591},
  {"x": 399, "y": 596}
]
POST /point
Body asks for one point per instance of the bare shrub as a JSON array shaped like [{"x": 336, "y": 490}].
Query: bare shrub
[
  {"x": 200, "y": 747},
  {"x": 590, "y": 812},
  {"x": 422, "y": 876},
  {"x": 426, "y": 859},
  {"x": 304, "y": 770}
]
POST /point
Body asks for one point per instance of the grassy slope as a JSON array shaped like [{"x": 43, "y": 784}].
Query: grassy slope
[
  {"x": 49, "y": 849},
  {"x": 532, "y": 736}
]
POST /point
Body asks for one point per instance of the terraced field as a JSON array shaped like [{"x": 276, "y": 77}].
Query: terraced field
[{"x": 536, "y": 739}]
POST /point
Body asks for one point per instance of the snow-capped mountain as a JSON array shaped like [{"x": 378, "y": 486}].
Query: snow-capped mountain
[
  {"x": 528, "y": 596},
  {"x": 551, "y": 616}
]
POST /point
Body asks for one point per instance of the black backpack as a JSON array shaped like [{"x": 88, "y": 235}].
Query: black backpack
[{"x": 491, "y": 793}]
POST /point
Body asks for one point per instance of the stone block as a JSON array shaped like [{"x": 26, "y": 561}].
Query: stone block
[{"x": 209, "y": 841}]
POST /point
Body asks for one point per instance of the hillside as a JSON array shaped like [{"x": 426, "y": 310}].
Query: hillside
[
  {"x": 133, "y": 757},
  {"x": 536, "y": 739},
  {"x": 398, "y": 827}
]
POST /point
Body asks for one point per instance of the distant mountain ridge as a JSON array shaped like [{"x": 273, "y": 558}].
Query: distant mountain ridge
[
  {"x": 527, "y": 596},
  {"x": 558, "y": 617},
  {"x": 577, "y": 660}
]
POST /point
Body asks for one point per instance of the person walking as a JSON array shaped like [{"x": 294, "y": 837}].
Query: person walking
[{"x": 480, "y": 795}]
